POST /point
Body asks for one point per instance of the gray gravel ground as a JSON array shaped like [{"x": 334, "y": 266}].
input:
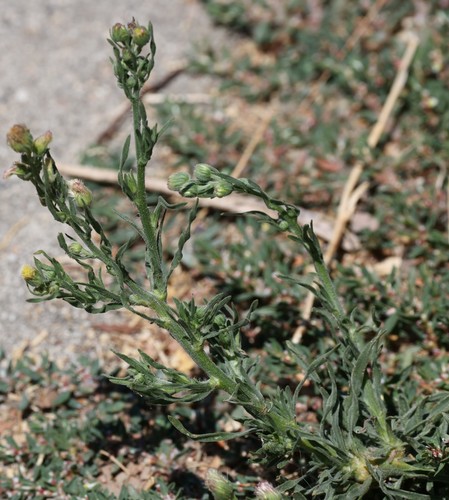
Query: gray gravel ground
[{"x": 56, "y": 75}]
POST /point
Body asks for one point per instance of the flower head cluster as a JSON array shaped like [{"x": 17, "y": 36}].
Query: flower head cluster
[
  {"x": 20, "y": 140},
  {"x": 131, "y": 67},
  {"x": 206, "y": 183}
]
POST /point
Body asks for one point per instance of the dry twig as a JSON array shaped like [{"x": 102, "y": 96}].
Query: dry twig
[
  {"x": 254, "y": 142},
  {"x": 115, "y": 461},
  {"x": 351, "y": 194}
]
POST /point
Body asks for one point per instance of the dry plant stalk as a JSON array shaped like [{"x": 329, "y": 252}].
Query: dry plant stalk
[{"x": 351, "y": 194}]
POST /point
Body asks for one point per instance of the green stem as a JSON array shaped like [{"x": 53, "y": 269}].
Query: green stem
[
  {"x": 149, "y": 229},
  {"x": 254, "y": 404}
]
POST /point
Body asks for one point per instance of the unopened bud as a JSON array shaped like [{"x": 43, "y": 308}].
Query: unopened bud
[
  {"x": 18, "y": 169},
  {"x": 220, "y": 320},
  {"x": 203, "y": 172},
  {"x": 52, "y": 289},
  {"x": 191, "y": 192},
  {"x": 19, "y": 139},
  {"x": 127, "y": 56},
  {"x": 28, "y": 273},
  {"x": 177, "y": 181},
  {"x": 140, "y": 35},
  {"x": 42, "y": 142},
  {"x": 221, "y": 488},
  {"x": 119, "y": 33},
  {"x": 50, "y": 168},
  {"x": 265, "y": 491},
  {"x": 131, "y": 82},
  {"x": 80, "y": 193},
  {"x": 130, "y": 182},
  {"x": 222, "y": 189},
  {"x": 78, "y": 249},
  {"x": 75, "y": 247}
]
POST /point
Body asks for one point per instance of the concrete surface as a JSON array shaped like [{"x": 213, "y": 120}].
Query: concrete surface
[{"x": 56, "y": 75}]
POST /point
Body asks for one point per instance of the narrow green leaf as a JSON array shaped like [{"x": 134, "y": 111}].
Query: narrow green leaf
[
  {"x": 211, "y": 437},
  {"x": 125, "y": 152}
]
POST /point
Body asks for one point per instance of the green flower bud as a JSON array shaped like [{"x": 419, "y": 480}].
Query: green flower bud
[
  {"x": 140, "y": 35},
  {"x": 177, "y": 181},
  {"x": 265, "y": 491},
  {"x": 203, "y": 172},
  {"x": 76, "y": 247},
  {"x": 80, "y": 193},
  {"x": 283, "y": 225},
  {"x": 222, "y": 189},
  {"x": 127, "y": 56},
  {"x": 120, "y": 33},
  {"x": 42, "y": 142},
  {"x": 221, "y": 488},
  {"x": 19, "y": 139},
  {"x": 50, "y": 167},
  {"x": 131, "y": 82},
  {"x": 53, "y": 289},
  {"x": 19, "y": 169},
  {"x": 130, "y": 182},
  {"x": 78, "y": 250},
  {"x": 192, "y": 192},
  {"x": 220, "y": 320}
]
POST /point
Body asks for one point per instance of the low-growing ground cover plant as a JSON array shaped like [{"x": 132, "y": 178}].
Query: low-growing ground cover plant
[{"x": 377, "y": 433}]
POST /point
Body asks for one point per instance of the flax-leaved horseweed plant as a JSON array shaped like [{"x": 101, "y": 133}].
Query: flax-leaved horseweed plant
[{"x": 377, "y": 437}]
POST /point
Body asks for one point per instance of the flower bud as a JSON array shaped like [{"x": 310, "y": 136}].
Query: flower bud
[
  {"x": 221, "y": 488},
  {"x": 19, "y": 139},
  {"x": 119, "y": 33},
  {"x": 191, "y": 192},
  {"x": 19, "y": 169},
  {"x": 131, "y": 82},
  {"x": 130, "y": 182},
  {"x": 203, "y": 172},
  {"x": 80, "y": 193},
  {"x": 50, "y": 168},
  {"x": 52, "y": 289},
  {"x": 265, "y": 491},
  {"x": 127, "y": 56},
  {"x": 42, "y": 142},
  {"x": 77, "y": 249},
  {"x": 140, "y": 35},
  {"x": 220, "y": 320},
  {"x": 28, "y": 273},
  {"x": 177, "y": 181},
  {"x": 222, "y": 189}
]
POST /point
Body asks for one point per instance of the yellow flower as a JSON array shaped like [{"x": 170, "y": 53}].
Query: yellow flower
[{"x": 28, "y": 272}]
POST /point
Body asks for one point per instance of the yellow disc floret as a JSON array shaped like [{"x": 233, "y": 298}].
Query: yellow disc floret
[{"x": 28, "y": 272}]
